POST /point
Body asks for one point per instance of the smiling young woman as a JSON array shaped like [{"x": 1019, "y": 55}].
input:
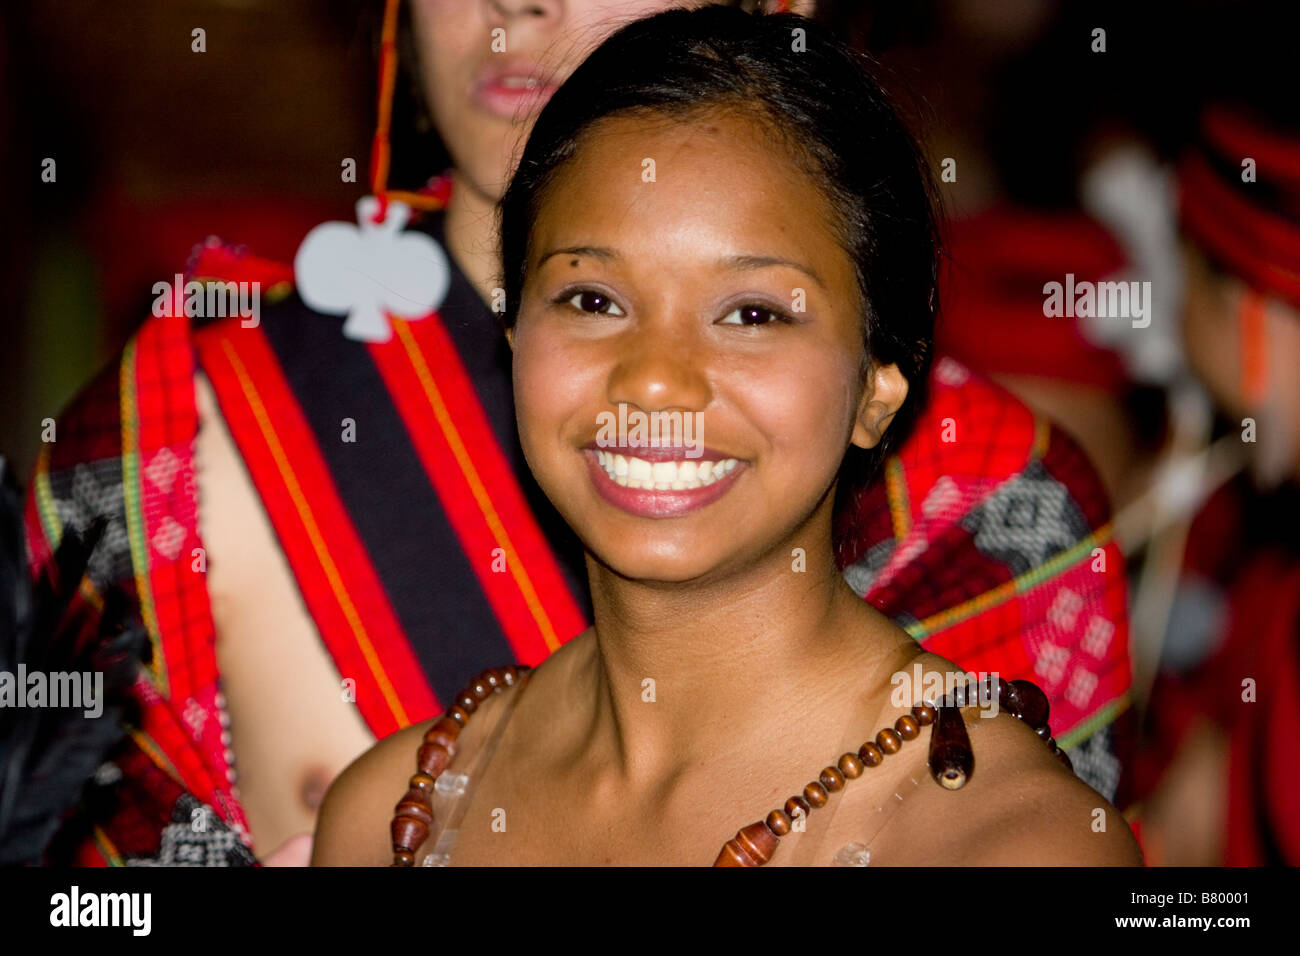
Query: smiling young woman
[{"x": 720, "y": 674}]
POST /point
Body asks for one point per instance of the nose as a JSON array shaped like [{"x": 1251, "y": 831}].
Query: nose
[
  {"x": 656, "y": 374},
  {"x": 513, "y": 9}
]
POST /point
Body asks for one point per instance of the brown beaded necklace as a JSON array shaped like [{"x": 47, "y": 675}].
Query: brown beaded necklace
[{"x": 951, "y": 761}]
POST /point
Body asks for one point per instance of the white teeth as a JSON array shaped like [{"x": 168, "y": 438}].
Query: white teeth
[
  {"x": 632, "y": 472},
  {"x": 519, "y": 82}
]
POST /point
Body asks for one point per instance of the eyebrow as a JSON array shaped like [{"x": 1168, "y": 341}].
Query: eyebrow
[
  {"x": 742, "y": 262},
  {"x": 764, "y": 262}
]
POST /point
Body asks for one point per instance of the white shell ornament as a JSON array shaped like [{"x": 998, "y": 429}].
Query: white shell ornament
[{"x": 372, "y": 270}]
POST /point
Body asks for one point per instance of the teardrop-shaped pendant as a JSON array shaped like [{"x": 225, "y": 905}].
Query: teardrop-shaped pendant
[{"x": 951, "y": 759}]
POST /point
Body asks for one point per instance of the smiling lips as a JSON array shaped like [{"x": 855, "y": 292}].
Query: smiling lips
[
  {"x": 670, "y": 475},
  {"x": 662, "y": 484}
]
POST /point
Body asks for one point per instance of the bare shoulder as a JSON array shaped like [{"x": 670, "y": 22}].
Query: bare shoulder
[
  {"x": 352, "y": 828},
  {"x": 1020, "y": 807},
  {"x": 1036, "y": 812}
]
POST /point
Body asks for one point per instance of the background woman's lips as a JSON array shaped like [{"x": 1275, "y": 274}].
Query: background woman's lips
[
  {"x": 512, "y": 102},
  {"x": 513, "y": 91}
]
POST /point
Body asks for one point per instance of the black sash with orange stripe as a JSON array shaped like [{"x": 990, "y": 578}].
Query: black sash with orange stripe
[{"x": 393, "y": 477}]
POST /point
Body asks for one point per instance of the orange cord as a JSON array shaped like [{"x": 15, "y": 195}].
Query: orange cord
[
  {"x": 1254, "y": 346},
  {"x": 379, "y": 148}
]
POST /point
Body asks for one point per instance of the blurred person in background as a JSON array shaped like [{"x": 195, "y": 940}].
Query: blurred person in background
[
  {"x": 282, "y": 565},
  {"x": 1046, "y": 117},
  {"x": 1216, "y": 776}
]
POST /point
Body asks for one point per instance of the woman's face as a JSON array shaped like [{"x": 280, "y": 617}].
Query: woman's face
[
  {"x": 1212, "y": 338},
  {"x": 489, "y": 66},
  {"x": 666, "y": 271}
]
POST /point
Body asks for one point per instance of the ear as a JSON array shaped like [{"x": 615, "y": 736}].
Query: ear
[{"x": 880, "y": 402}]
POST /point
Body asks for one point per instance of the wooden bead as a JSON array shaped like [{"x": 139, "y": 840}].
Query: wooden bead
[
  {"x": 733, "y": 855},
  {"x": 832, "y": 779},
  {"x": 851, "y": 766},
  {"x": 438, "y": 734},
  {"x": 1009, "y": 698},
  {"x": 1034, "y": 709},
  {"x": 924, "y": 714},
  {"x": 493, "y": 678},
  {"x": 408, "y": 833},
  {"x": 797, "y": 806},
  {"x": 992, "y": 689},
  {"x": 816, "y": 795},
  {"x": 871, "y": 755},
  {"x": 459, "y": 714},
  {"x": 480, "y": 689},
  {"x": 423, "y": 783},
  {"x": 888, "y": 741},
  {"x": 467, "y": 701},
  {"x": 448, "y": 726},
  {"x": 908, "y": 727},
  {"x": 951, "y": 761},
  {"x": 403, "y": 858},
  {"x": 778, "y": 821},
  {"x": 1062, "y": 756},
  {"x": 416, "y": 806},
  {"x": 1051, "y": 745},
  {"x": 758, "y": 842},
  {"x": 433, "y": 759},
  {"x": 1044, "y": 732}
]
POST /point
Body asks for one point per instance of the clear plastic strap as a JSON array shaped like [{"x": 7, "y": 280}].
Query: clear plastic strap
[{"x": 454, "y": 790}]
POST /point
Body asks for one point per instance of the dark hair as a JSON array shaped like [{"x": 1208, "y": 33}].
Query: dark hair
[{"x": 835, "y": 119}]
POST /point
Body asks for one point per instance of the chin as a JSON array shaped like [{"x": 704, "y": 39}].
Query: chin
[
  {"x": 653, "y": 568},
  {"x": 660, "y": 555}
]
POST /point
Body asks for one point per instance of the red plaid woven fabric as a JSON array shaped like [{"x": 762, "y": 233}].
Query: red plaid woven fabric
[
  {"x": 989, "y": 540},
  {"x": 125, "y": 451}
]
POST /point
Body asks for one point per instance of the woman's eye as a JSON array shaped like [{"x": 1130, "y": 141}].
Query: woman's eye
[
  {"x": 751, "y": 315},
  {"x": 597, "y": 302}
]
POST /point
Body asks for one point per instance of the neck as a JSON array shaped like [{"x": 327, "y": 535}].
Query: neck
[
  {"x": 765, "y": 654},
  {"x": 471, "y": 232}
]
